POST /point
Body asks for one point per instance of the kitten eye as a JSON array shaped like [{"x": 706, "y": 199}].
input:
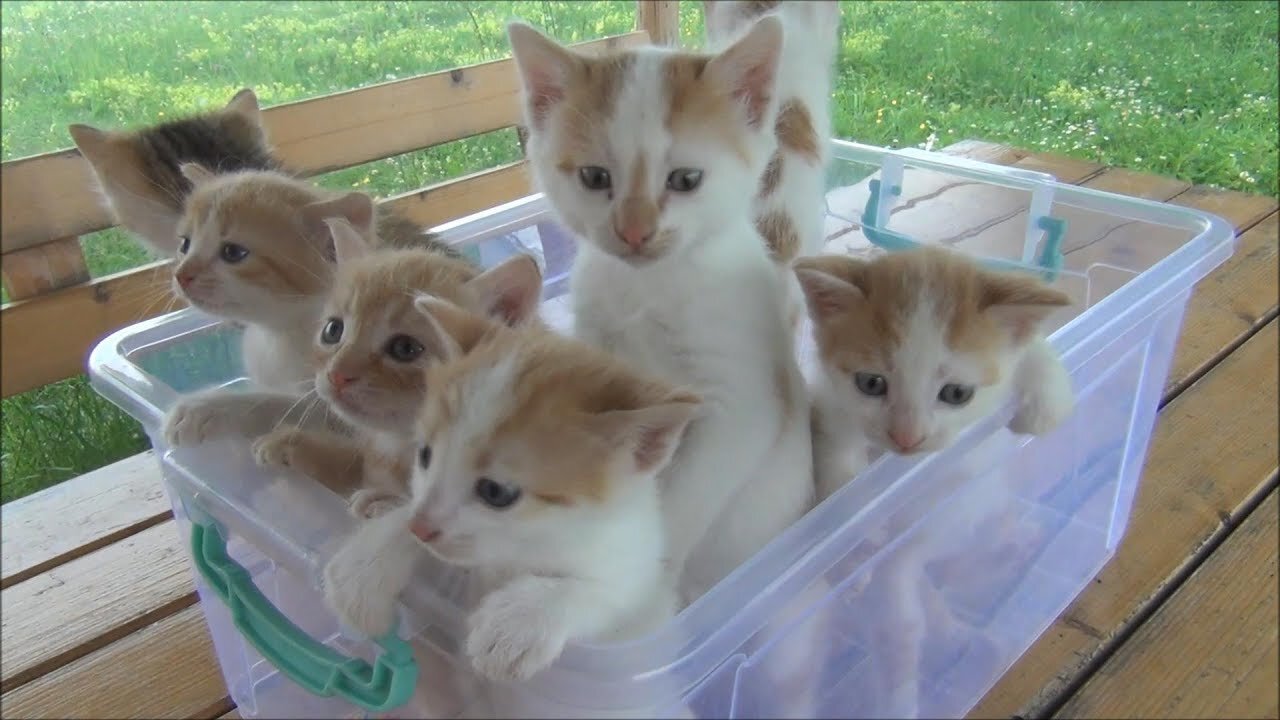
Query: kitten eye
[
  {"x": 684, "y": 179},
  {"x": 232, "y": 252},
  {"x": 403, "y": 348},
  {"x": 185, "y": 245},
  {"x": 955, "y": 394},
  {"x": 871, "y": 384},
  {"x": 332, "y": 331},
  {"x": 595, "y": 178},
  {"x": 424, "y": 457},
  {"x": 495, "y": 494}
]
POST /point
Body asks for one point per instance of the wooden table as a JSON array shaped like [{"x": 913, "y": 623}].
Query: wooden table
[{"x": 100, "y": 617}]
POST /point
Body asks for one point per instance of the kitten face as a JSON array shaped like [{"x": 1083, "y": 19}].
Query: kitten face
[
  {"x": 530, "y": 441},
  {"x": 251, "y": 246},
  {"x": 918, "y": 345},
  {"x": 138, "y": 172},
  {"x": 644, "y": 152},
  {"x": 373, "y": 344}
]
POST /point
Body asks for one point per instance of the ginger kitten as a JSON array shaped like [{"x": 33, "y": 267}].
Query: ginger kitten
[
  {"x": 536, "y": 467},
  {"x": 138, "y": 172},
  {"x": 789, "y": 203},
  {"x": 370, "y": 348},
  {"x": 651, "y": 157},
  {"x": 916, "y": 346}
]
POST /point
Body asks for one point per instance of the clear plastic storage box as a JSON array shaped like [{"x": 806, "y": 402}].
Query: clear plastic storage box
[{"x": 911, "y": 590}]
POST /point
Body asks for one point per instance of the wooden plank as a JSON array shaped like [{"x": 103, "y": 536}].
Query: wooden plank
[
  {"x": 1186, "y": 496},
  {"x": 51, "y": 195},
  {"x": 1211, "y": 650},
  {"x": 86, "y": 313},
  {"x": 165, "y": 670},
  {"x": 68, "y": 612},
  {"x": 36, "y": 270},
  {"x": 78, "y": 516},
  {"x": 660, "y": 19}
]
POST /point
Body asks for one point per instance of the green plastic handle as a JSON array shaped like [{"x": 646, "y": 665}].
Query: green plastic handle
[{"x": 383, "y": 686}]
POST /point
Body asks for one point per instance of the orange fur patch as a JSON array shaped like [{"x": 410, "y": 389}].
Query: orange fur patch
[
  {"x": 771, "y": 176},
  {"x": 780, "y": 235},
  {"x": 794, "y": 129},
  {"x": 694, "y": 106}
]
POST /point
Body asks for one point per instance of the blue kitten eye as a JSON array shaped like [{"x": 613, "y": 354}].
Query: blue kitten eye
[
  {"x": 233, "y": 253},
  {"x": 403, "y": 348},
  {"x": 495, "y": 494},
  {"x": 185, "y": 244},
  {"x": 424, "y": 457},
  {"x": 595, "y": 178},
  {"x": 684, "y": 179},
  {"x": 955, "y": 394},
  {"x": 332, "y": 331},
  {"x": 871, "y": 384}
]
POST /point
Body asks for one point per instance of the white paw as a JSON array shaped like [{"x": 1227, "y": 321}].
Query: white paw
[
  {"x": 353, "y": 593},
  {"x": 276, "y": 448},
  {"x": 196, "y": 419},
  {"x": 512, "y": 638},
  {"x": 1042, "y": 409},
  {"x": 366, "y": 503}
]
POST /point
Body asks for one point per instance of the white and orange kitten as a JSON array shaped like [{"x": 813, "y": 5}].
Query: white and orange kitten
[
  {"x": 789, "y": 205},
  {"x": 536, "y": 467},
  {"x": 651, "y": 157},
  {"x": 370, "y": 346},
  {"x": 915, "y": 346}
]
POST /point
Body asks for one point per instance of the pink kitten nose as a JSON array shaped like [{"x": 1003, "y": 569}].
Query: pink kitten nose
[
  {"x": 422, "y": 530},
  {"x": 635, "y": 236},
  {"x": 185, "y": 279},
  {"x": 338, "y": 380},
  {"x": 905, "y": 440}
]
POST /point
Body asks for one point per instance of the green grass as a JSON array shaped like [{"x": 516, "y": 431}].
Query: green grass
[{"x": 1186, "y": 89}]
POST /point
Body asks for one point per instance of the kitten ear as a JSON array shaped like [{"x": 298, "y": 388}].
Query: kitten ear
[
  {"x": 245, "y": 104},
  {"x": 93, "y": 143},
  {"x": 354, "y": 207},
  {"x": 545, "y": 67},
  {"x": 650, "y": 435},
  {"x": 749, "y": 67},
  {"x": 196, "y": 173},
  {"x": 453, "y": 331},
  {"x": 828, "y": 284},
  {"x": 347, "y": 243},
  {"x": 1019, "y": 303},
  {"x": 509, "y": 291}
]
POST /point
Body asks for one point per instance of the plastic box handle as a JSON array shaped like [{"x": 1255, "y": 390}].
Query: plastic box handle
[{"x": 383, "y": 686}]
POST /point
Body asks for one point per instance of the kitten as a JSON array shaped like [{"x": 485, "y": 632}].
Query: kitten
[
  {"x": 536, "y": 469},
  {"x": 915, "y": 346},
  {"x": 789, "y": 204},
  {"x": 138, "y": 173},
  {"x": 650, "y": 156},
  {"x": 370, "y": 346},
  {"x": 253, "y": 248}
]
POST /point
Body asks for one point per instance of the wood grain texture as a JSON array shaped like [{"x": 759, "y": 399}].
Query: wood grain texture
[
  {"x": 52, "y": 196},
  {"x": 660, "y": 19},
  {"x": 90, "y": 602},
  {"x": 1213, "y": 450},
  {"x": 1211, "y": 650},
  {"x": 80, "y": 515},
  {"x": 165, "y": 670},
  {"x": 36, "y": 270}
]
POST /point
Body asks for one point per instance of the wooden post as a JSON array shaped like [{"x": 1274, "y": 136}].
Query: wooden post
[
  {"x": 44, "y": 268},
  {"x": 659, "y": 18}
]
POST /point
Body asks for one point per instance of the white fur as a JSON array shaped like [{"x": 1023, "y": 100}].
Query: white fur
[
  {"x": 551, "y": 575},
  {"x": 707, "y": 315}
]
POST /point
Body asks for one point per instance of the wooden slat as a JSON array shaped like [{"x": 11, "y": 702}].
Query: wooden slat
[
  {"x": 660, "y": 19},
  {"x": 86, "y": 313},
  {"x": 1211, "y": 651},
  {"x": 50, "y": 196},
  {"x": 36, "y": 270},
  {"x": 1187, "y": 495},
  {"x": 76, "y": 517},
  {"x": 165, "y": 670},
  {"x": 68, "y": 612}
]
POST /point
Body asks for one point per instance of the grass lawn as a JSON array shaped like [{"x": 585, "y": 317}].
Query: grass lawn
[{"x": 1186, "y": 89}]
